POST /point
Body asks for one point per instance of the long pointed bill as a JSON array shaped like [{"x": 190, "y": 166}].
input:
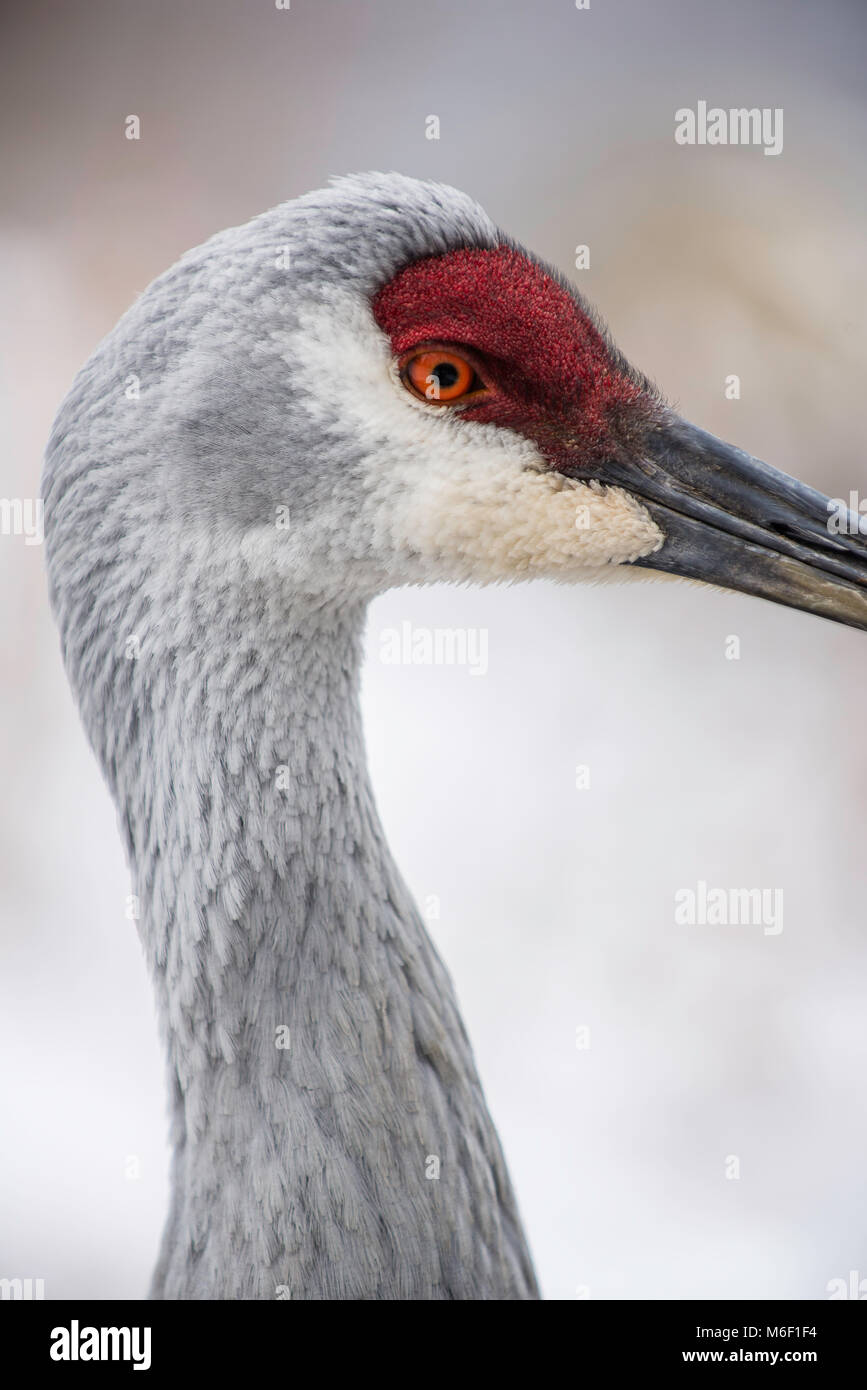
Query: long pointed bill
[{"x": 729, "y": 519}]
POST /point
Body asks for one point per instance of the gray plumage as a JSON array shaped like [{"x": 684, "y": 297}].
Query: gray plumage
[{"x": 205, "y": 659}]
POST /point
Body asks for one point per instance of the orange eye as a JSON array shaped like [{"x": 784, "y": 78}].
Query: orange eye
[{"x": 437, "y": 374}]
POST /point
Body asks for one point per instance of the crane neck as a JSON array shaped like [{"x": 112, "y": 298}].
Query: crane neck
[{"x": 330, "y": 1134}]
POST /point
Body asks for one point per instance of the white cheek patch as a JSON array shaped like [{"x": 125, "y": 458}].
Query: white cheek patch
[
  {"x": 453, "y": 499},
  {"x": 508, "y": 522}
]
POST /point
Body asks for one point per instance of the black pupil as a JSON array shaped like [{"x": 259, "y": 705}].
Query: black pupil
[{"x": 446, "y": 374}]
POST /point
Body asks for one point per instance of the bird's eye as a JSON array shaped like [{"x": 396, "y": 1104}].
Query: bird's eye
[{"x": 439, "y": 375}]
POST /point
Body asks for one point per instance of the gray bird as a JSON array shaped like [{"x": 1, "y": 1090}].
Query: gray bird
[{"x": 366, "y": 387}]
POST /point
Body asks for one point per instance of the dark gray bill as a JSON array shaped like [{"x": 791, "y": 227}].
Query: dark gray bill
[{"x": 729, "y": 519}]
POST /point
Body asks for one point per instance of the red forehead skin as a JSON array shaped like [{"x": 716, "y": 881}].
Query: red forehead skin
[{"x": 549, "y": 369}]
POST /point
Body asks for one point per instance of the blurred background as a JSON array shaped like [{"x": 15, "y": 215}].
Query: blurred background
[{"x": 556, "y": 905}]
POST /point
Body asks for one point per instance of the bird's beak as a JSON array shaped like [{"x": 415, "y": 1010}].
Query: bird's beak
[{"x": 729, "y": 519}]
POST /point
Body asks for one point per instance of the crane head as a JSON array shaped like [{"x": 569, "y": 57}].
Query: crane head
[{"x": 418, "y": 398}]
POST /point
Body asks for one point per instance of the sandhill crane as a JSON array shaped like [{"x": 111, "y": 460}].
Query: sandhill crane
[{"x": 368, "y": 386}]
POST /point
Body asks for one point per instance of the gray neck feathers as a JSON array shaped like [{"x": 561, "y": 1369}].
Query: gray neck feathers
[{"x": 331, "y": 1138}]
